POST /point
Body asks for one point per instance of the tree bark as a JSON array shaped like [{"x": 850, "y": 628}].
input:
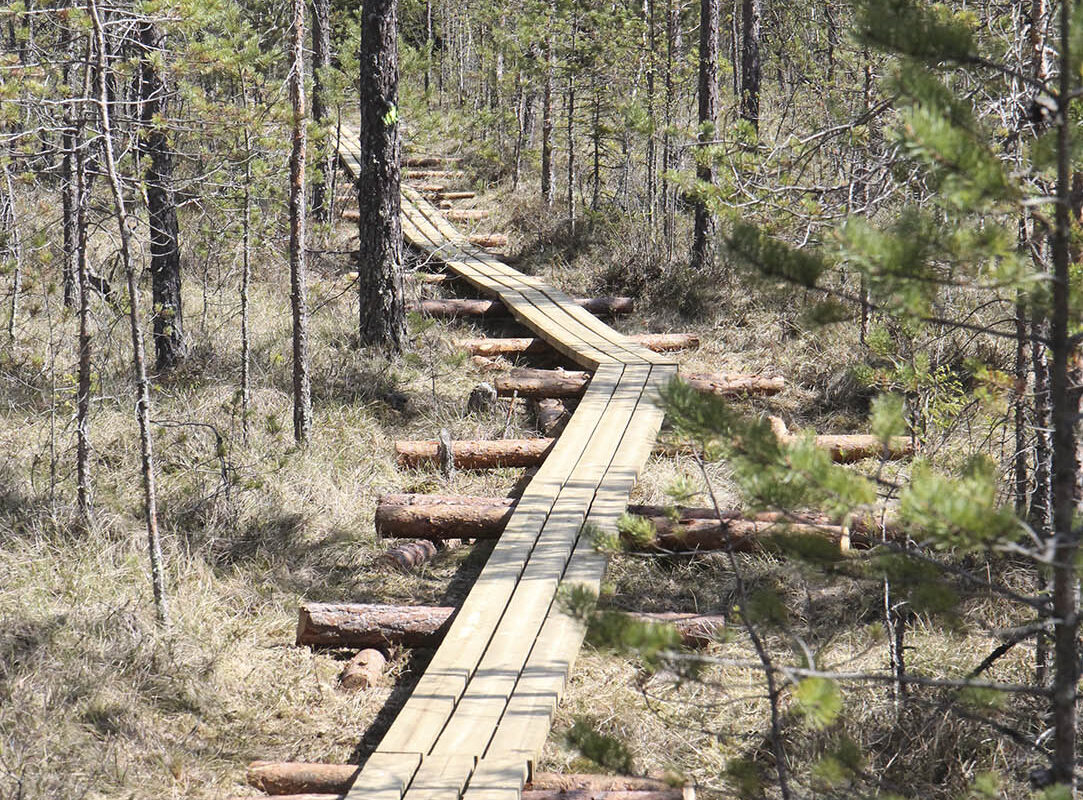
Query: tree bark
[
  {"x": 478, "y": 454},
  {"x": 703, "y": 233},
  {"x": 548, "y": 167},
  {"x": 146, "y": 448},
  {"x": 82, "y": 408},
  {"x": 302, "y": 382},
  {"x": 382, "y": 309},
  {"x": 321, "y": 113},
  {"x": 659, "y": 342},
  {"x": 750, "y": 62},
  {"x": 361, "y": 625},
  {"x": 165, "y": 262}
]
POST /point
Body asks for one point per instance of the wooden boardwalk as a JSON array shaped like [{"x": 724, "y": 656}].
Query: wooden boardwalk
[{"x": 479, "y": 716}]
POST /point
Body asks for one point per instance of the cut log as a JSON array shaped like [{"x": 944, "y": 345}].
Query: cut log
[
  {"x": 729, "y": 385},
  {"x": 467, "y": 214},
  {"x": 430, "y": 277},
  {"x": 429, "y": 161},
  {"x": 455, "y": 307},
  {"x": 365, "y": 625},
  {"x": 408, "y": 556},
  {"x": 476, "y": 454},
  {"x": 438, "y": 517},
  {"x": 848, "y": 448},
  {"x": 535, "y": 383},
  {"x": 659, "y": 342},
  {"x": 490, "y": 240},
  {"x": 433, "y": 188},
  {"x": 551, "y": 415},
  {"x": 459, "y": 195},
  {"x": 445, "y": 205},
  {"x": 363, "y": 670},
  {"x": 293, "y": 779},
  {"x": 433, "y": 175}
]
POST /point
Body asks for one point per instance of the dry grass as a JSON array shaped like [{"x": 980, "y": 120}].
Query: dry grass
[{"x": 96, "y": 702}]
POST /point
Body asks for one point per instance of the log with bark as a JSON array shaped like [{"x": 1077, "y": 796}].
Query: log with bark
[
  {"x": 527, "y": 794},
  {"x": 408, "y": 556},
  {"x": 658, "y": 342},
  {"x": 364, "y": 670},
  {"x": 846, "y": 448},
  {"x": 364, "y": 625},
  {"x": 571, "y": 383},
  {"x": 489, "y": 240},
  {"x": 440, "y": 517},
  {"x": 551, "y": 415},
  {"x": 476, "y": 454},
  {"x": 285, "y": 778},
  {"x": 459, "y": 195},
  {"x": 434, "y": 175},
  {"x": 421, "y": 162},
  {"x": 494, "y": 309},
  {"x": 467, "y": 214}
]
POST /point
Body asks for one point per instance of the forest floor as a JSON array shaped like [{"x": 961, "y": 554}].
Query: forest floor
[{"x": 96, "y": 702}]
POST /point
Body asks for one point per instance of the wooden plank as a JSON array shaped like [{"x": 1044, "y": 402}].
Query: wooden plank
[
  {"x": 442, "y": 777},
  {"x": 498, "y": 778},
  {"x": 433, "y": 700},
  {"x": 384, "y": 776},
  {"x": 474, "y": 721}
]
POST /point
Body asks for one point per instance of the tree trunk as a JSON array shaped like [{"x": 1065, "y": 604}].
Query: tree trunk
[
  {"x": 165, "y": 263},
  {"x": 82, "y": 408},
  {"x": 321, "y": 113},
  {"x": 302, "y": 385},
  {"x": 70, "y": 200},
  {"x": 12, "y": 247},
  {"x": 548, "y": 167},
  {"x": 750, "y": 62},
  {"x": 703, "y": 235},
  {"x": 150, "y": 492},
  {"x": 1065, "y": 408},
  {"x": 382, "y": 308},
  {"x": 476, "y": 454}
]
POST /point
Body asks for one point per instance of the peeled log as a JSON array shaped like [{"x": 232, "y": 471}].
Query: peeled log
[
  {"x": 490, "y": 240},
  {"x": 467, "y": 214},
  {"x": 408, "y": 556},
  {"x": 535, "y": 383},
  {"x": 365, "y": 625},
  {"x": 324, "y": 780},
  {"x": 476, "y": 454},
  {"x": 433, "y": 188},
  {"x": 659, "y": 342},
  {"x": 459, "y": 195},
  {"x": 363, "y": 671},
  {"x": 455, "y": 307},
  {"x": 846, "y": 449},
  {"x": 728, "y": 385}
]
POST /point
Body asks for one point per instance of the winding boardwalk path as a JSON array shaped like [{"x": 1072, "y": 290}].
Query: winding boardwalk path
[{"x": 479, "y": 715}]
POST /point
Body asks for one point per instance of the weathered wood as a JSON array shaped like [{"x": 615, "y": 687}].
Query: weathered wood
[
  {"x": 366, "y": 625},
  {"x": 476, "y": 454},
  {"x": 291, "y": 780},
  {"x": 847, "y": 448},
  {"x": 430, "y": 277},
  {"x": 467, "y": 214},
  {"x": 364, "y": 670},
  {"x": 294, "y": 777},
  {"x": 422, "y": 161},
  {"x": 434, "y": 174},
  {"x": 489, "y": 240},
  {"x": 534, "y": 383},
  {"x": 433, "y": 188},
  {"x": 408, "y": 556},
  {"x": 459, "y": 195},
  {"x": 551, "y": 415},
  {"x": 658, "y": 342},
  {"x": 456, "y": 307},
  {"x": 729, "y": 385}
]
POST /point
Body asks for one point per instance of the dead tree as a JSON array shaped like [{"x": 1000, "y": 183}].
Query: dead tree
[{"x": 702, "y": 254}]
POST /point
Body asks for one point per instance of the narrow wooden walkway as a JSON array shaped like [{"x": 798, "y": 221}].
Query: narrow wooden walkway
[{"x": 479, "y": 716}]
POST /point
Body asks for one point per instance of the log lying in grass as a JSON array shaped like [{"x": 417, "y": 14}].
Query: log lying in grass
[
  {"x": 420, "y": 161},
  {"x": 658, "y": 342},
  {"x": 848, "y": 448},
  {"x": 408, "y": 556},
  {"x": 323, "y": 780},
  {"x": 551, "y": 415},
  {"x": 440, "y": 517},
  {"x": 363, "y": 671},
  {"x": 570, "y": 383},
  {"x": 455, "y": 307},
  {"x": 476, "y": 454},
  {"x": 433, "y": 188},
  {"x": 362, "y": 625},
  {"x": 490, "y": 240},
  {"x": 431, "y": 277},
  {"x": 433, "y": 175},
  {"x": 467, "y": 214},
  {"x": 528, "y": 794},
  {"x": 459, "y": 195}
]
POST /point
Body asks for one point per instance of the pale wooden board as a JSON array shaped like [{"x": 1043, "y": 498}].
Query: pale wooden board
[
  {"x": 509, "y": 648},
  {"x": 474, "y": 721},
  {"x": 419, "y": 723}
]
